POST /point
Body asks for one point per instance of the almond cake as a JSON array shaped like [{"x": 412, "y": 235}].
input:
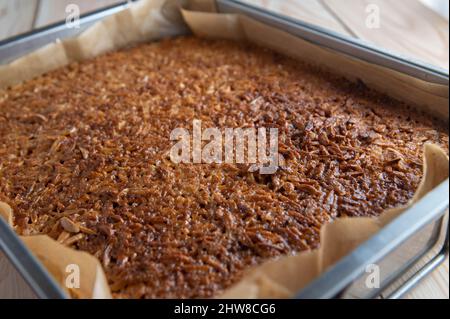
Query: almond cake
[{"x": 84, "y": 159}]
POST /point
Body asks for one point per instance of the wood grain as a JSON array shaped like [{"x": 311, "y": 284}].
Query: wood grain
[
  {"x": 16, "y": 17},
  {"x": 433, "y": 287},
  {"x": 410, "y": 29},
  {"x": 310, "y": 11}
]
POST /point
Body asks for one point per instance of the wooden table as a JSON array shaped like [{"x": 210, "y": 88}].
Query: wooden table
[{"x": 406, "y": 27}]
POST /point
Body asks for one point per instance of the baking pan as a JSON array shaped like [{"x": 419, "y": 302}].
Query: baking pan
[
  {"x": 12, "y": 48},
  {"x": 405, "y": 251}
]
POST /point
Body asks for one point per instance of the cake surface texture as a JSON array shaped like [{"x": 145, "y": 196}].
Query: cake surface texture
[{"x": 84, "y": 159}]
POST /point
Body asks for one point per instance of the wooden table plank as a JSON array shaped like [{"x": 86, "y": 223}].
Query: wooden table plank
[
  {"x": 16, "y": 17},
  {"x": 310, "y": 11},
  {"x": 433, "y": 287},
  {"x": 410, "y": 29}
]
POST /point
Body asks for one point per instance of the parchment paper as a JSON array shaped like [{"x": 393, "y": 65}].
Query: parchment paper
[{"x": 150, "y": 20}]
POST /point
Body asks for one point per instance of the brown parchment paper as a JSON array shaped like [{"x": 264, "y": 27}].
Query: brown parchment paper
[{"x": 150, "y": 20}]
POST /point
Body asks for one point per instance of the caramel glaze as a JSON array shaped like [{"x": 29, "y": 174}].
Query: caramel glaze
[{"x": 84, "y": 159}]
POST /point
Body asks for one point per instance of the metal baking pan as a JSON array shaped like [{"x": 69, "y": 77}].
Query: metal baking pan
[{"x": 405, "y": 251}]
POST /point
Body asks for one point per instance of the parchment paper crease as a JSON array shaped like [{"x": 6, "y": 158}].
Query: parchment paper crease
[{"x": 150, "y": 20}]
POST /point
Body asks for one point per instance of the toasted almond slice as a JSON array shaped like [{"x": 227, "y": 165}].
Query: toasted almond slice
[
  {"x": 54, "y": 229},
  {"x": 63, "y": 236},
  {"x": 106, "y": 255},
  {"x": 84, "y": 152},
  {"x": 71, "y": 240},
  {"x": 72, "y": 212},
  {"x": 69, "y": 225},
  {"x": 87, "y": 230}
]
